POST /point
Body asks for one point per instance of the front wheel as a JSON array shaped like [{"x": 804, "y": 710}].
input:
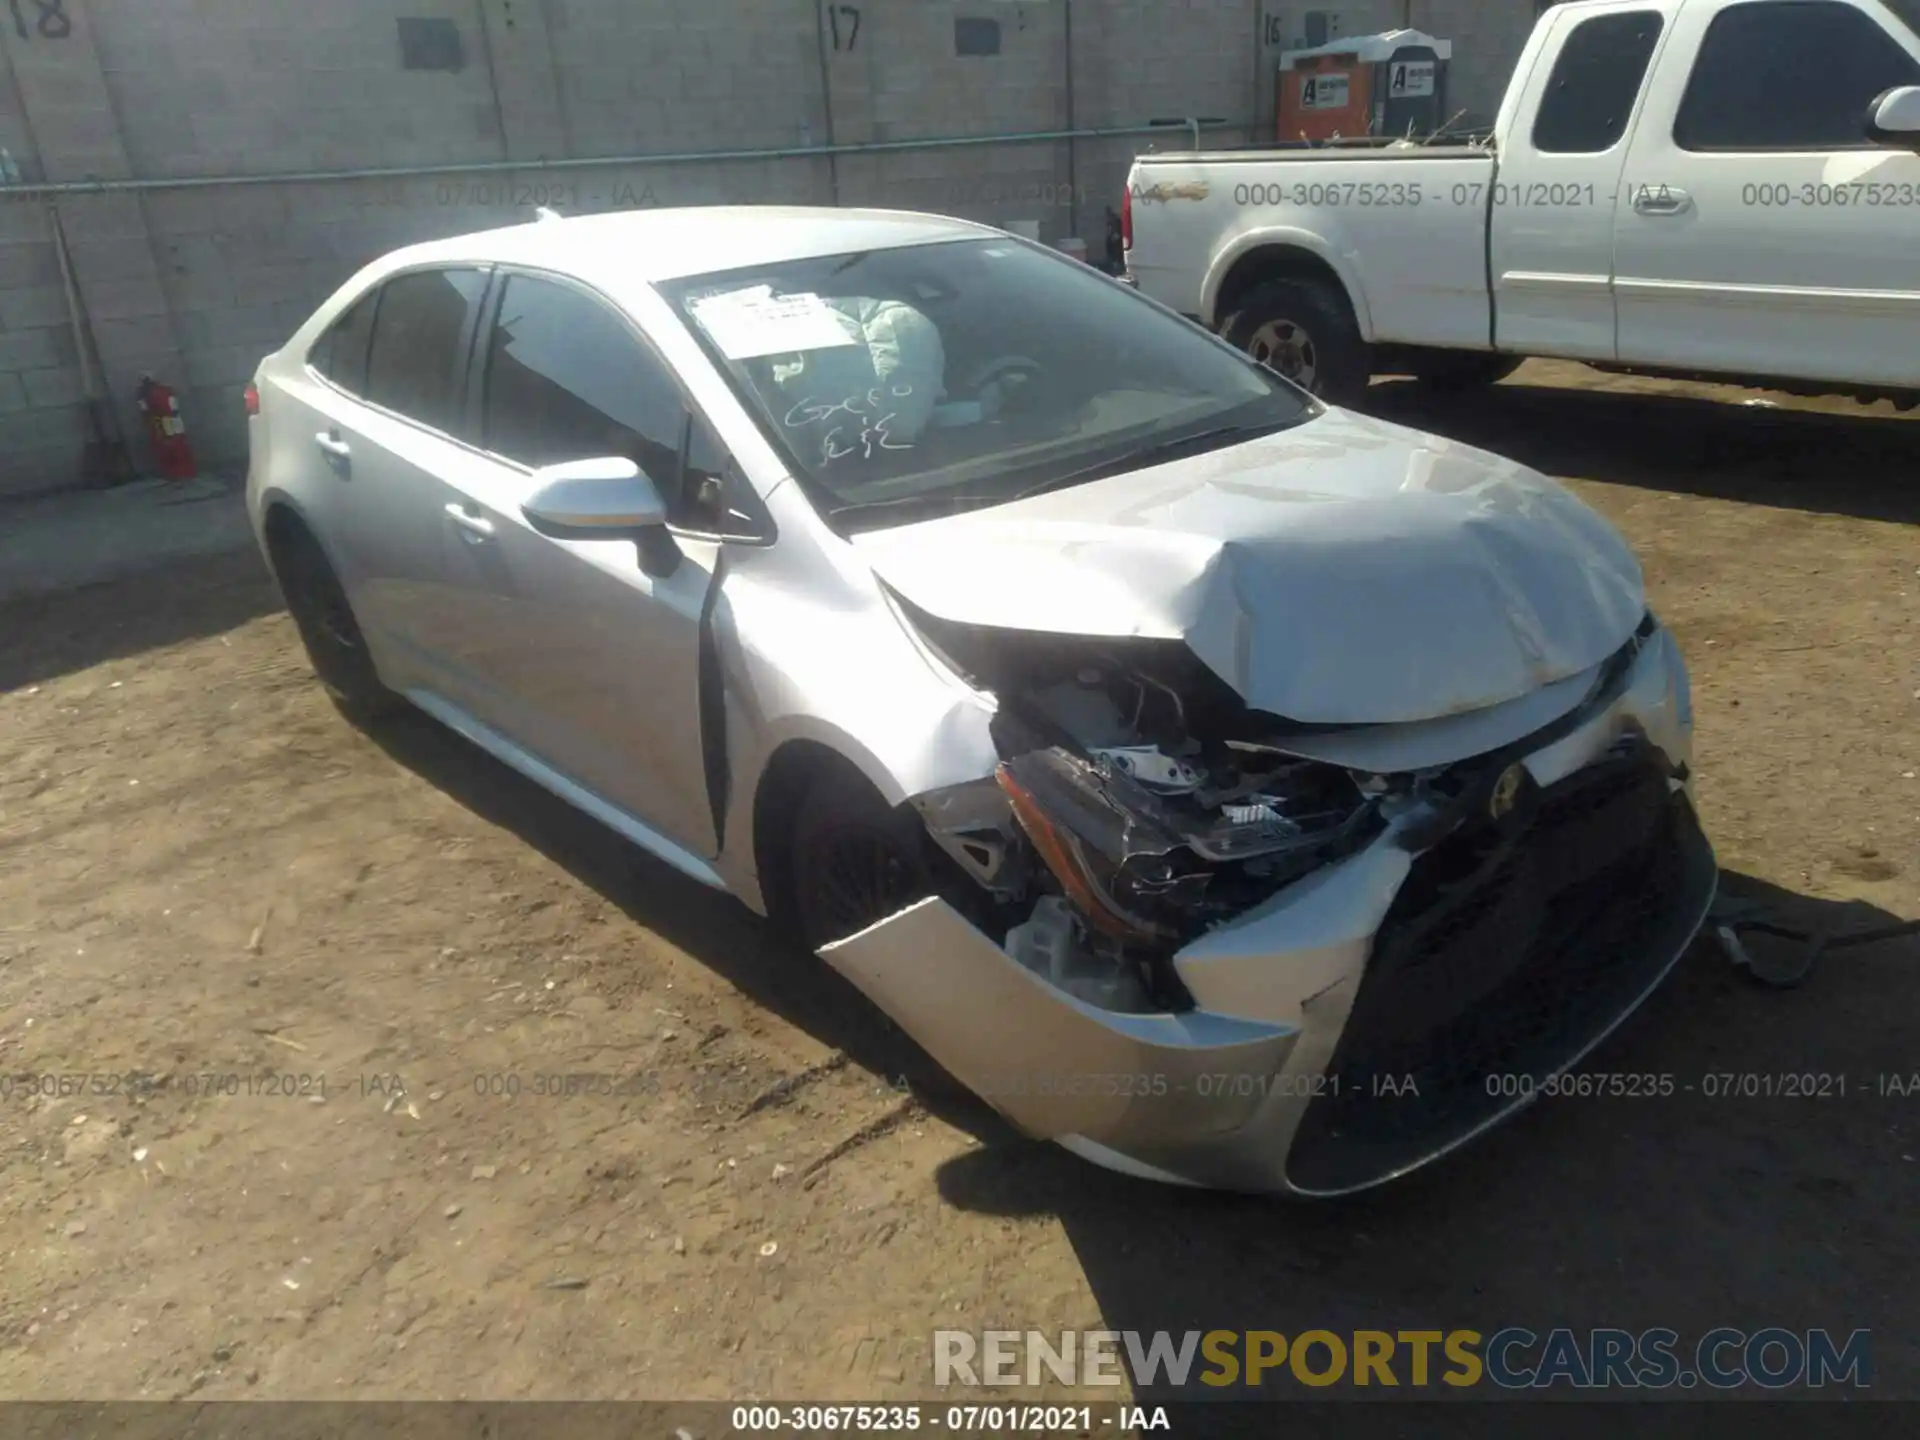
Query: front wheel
[
  {"x": 1304, "y": 329},
  {"x": 853, "y": 860}
]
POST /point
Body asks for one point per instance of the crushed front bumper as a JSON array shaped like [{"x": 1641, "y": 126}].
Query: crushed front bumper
[{"x": 1368, "y": 1018}]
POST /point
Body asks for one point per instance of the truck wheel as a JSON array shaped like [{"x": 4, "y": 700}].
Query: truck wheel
[
  {"x": 1304, "y": 330},
  {"x": 1464, "y": 369}
]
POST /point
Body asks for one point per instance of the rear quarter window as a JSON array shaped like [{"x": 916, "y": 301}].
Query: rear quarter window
[{"x": 341, "y": 353}]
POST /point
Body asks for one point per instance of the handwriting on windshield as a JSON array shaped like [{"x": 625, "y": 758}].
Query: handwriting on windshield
[
  {"x": 872, "y": 436},
  {"x": 865, "y": 406},
  {"x": 865, "y": 428}
]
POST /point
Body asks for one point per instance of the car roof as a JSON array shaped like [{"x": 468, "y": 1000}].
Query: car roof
[{"x": 673, "y": 243}]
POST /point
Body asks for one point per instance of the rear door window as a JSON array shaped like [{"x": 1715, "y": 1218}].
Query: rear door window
[
  {"x": 1594, "y": 83},
  {"x": 420, "y": 339}
]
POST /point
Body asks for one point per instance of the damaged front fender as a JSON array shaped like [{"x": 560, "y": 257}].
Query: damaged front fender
[{"x": 1055, "y": 1066}]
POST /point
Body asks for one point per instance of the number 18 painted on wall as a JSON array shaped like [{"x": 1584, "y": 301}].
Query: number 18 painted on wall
[{"x": 51, "y": 22}]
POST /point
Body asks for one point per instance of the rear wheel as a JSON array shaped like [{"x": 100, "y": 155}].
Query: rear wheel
[
  {"x": 1303, "y": 328},
  {"x": 328, "y": 629}
]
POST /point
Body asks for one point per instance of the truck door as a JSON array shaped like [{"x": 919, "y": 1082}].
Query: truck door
[
  {"x": 1760, "y": 231},
  {"x": 1551, "y": 205}
]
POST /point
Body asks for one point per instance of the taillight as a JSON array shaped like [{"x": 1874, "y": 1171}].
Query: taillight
[
  {"x": 252, "y": 396},
  {"x": 1126, "y": 219}
]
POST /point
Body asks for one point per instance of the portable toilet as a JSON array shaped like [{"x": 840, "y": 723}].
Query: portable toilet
[{"x": 1393, "y": 83}]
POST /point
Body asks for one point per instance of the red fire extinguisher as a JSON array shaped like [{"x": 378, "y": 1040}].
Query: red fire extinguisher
[{"x": 166, "y": 431}]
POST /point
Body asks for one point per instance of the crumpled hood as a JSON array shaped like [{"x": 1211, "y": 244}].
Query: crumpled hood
[{"x": 1346, "y": 571}]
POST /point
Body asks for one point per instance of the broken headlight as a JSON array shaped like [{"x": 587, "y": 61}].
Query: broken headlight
[{"x": 1153, "y": 867}]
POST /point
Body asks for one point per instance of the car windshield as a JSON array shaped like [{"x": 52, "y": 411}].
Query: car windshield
[{"x": 925, "y": 380}]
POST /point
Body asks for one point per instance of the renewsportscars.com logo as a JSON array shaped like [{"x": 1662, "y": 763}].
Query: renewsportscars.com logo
[{"x": 1511, "y": 1358}]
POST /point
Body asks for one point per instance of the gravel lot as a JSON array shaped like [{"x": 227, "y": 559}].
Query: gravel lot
[{"x": 205, "y": 873}]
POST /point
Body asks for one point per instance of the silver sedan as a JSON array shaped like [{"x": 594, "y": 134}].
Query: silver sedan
[{"x": 1236, "y": 790}]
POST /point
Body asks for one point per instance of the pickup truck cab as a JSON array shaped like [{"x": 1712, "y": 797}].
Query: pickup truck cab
[{"x": 1720, "y": 189}]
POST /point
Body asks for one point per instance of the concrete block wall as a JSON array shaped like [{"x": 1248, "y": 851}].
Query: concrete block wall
[
  {"x": 220, "y": 87},
  {"x": 198, "y": 284},
  {"x": 1487, "y": 41},
  {"x": 902, "y": 78},
  {"x": 56, "y": 124},
  {"x": 1143, "y": 60},
  {"x": 42, "y": 429}
]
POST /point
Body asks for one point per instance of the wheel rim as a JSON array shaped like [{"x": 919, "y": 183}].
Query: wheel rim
[
  {"x": 336, "y": 620},
  {"x": 326, "y": 623},
  {"x": 1285, "y": 346},
  {"x": 857, "y": 876}
]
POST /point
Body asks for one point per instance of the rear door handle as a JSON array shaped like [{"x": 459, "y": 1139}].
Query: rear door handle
[
  {"x": 333, "y": 445},
  {"x": 478, "y": 528},
  {"x": 1664, "y": 201}
]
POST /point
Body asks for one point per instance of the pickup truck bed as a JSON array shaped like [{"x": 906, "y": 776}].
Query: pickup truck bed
[{"x": 1418, "y": 216}]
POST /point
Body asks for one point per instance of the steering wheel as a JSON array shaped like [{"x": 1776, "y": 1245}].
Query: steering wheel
[{"x": 1003, "y": 368}]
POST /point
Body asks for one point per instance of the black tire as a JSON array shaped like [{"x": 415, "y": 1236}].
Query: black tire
[
  {"x": 335, "y": 647},
  {"x": 1457, "y": 370},
  {"x": 842, "y": 817},
  {"x": 1304, "y": 329},
  {"x": 852, "y": 859}
]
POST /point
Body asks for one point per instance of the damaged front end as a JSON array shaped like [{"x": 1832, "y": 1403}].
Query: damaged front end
[
  {"x": 1163, "y": 904},
  {"x": 1135, "y": 806}
]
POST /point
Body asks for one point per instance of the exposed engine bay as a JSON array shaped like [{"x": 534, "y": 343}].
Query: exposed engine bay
[{"x": 1138, "y": 803}]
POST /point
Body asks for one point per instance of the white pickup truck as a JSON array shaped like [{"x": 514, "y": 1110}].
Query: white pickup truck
[{"x": 1724, "y": 189}]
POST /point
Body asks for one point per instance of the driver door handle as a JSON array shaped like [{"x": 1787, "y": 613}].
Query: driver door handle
[
  {"x": 333, "y": 445},
  {"x": 1664, "y": 201},
  {"x": 478, "y": 528}
]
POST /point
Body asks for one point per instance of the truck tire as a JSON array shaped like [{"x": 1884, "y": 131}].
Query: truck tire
[
  {"x": 1303, "y": 329},
  {"x": 1452, "y": 370}
]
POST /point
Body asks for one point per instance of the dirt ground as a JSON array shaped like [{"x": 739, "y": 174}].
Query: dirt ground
[{"x": 206, "y": 877}]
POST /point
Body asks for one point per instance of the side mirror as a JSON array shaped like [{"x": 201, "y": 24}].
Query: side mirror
[
  {"x": 1894, "y": 118},
  {"x": 606, "y": 498}
]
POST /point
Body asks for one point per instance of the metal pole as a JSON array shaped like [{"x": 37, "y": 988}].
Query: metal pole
[
  {"x": 826, "y": 97},
  {"x": 685, "y": 157},
  {"x": 493, "y": 78},
  {"x": 1073, "y": 174},
  {"x": 106, "y": 460}
]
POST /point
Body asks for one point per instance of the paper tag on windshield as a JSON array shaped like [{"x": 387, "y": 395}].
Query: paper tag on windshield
[{"x": 750, "y": 323}]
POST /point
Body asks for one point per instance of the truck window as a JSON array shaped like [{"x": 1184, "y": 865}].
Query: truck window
[
  {"x": 1594, "y": 83},
  {"x": 1789, "y": 75}
]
